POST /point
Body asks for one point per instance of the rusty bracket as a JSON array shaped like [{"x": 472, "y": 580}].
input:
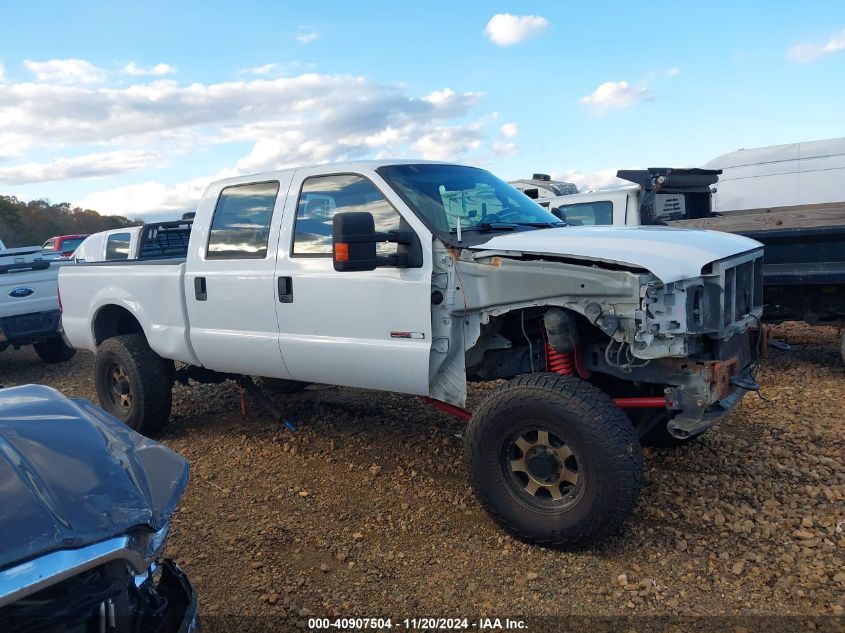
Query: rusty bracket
[{"x": 721, "y": 375}]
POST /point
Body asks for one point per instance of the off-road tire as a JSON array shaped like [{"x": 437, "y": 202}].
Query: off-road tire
[
  {"x": 54, "y": 350},
  {"x": 658, "y": 435},
  {"x": 600, "y": 436},
  {"x": 281, "y": 386},
  {"x": 148, "y": 377}
]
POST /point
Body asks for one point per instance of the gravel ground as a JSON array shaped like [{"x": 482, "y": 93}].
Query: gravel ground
[{"x": 366, "y": 511}]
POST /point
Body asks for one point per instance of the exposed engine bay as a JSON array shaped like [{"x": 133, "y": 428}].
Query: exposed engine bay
[{"x": 692, "y": 342}]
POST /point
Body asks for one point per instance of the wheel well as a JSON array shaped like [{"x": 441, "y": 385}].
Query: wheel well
[
  {"x": 114, "y": 320},
  {"x": 525, "y": 332}
]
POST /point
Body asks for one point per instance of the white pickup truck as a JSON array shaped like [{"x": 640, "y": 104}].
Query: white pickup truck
[
  {"x": 417, "y": 277},
  {"x": 29, "y": 306},
  {"x": 154, "y": 240}
]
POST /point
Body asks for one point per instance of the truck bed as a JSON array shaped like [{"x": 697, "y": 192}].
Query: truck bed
[{"x": 151, "y": 289}]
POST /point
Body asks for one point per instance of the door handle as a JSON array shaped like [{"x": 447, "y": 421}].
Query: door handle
[
  {"x": 199, "y": 289},
  {"x": 285, "y": 289}
]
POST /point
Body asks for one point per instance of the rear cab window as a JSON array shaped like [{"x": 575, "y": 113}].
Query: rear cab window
[
  {"x": 240, "y": 227},
  {"x": 117, "y": 246}
]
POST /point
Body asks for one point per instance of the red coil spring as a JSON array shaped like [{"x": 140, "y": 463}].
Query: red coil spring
[{"x": 558, "y": 362}]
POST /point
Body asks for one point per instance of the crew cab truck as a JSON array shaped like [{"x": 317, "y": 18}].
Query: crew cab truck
[{"x": 417, "y": 277}]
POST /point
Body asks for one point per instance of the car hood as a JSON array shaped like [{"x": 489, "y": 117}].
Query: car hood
[
  {"x": 72, "y": 475},
  {"x": 671, "y": 254}
]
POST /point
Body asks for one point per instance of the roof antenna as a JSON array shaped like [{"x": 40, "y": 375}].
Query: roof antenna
[{"x": 458, "y": 226}]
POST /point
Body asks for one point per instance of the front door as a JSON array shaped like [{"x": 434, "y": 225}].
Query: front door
[
  {"x": 229, "y": 281},
  {"x": 361, "y": 329}
]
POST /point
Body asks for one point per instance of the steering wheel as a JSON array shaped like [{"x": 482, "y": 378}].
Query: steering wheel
[{"x": 502, "y": 215}]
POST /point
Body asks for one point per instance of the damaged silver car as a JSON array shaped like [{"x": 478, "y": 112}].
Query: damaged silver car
[{"x": 85, "y": 506}]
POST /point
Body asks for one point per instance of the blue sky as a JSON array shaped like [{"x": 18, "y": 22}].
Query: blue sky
[{"x": 132, "y": 108}]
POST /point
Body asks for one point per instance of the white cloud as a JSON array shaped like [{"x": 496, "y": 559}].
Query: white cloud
[
  {"x": 66, "y": 71},
  {"x": 603, "y": 179},
  {"x": 286, "y": 121},
  {"x": 278, "y": 69},
  {"x": 307, "y": 38},
  {"x": 673, "y": 72},
  {"x": 2, "y": 73},
  {"x": 85, "y": 166},
  {"x": 505, "y": 148},
  {"x": 326, "y": 107},
  {"x": 153, "y": 200},
  {"x": 807, "y": 52},
  {"x": 613, "y": 95},
  {"x": 134, "y": 70},
  {"x": 505, "y": 29},
  {"x": 265, "y": 69},
  {"x": 510, "y": 130},
  {"x": 447, "y": 143}
]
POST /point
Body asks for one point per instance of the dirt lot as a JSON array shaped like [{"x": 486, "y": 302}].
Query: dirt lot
[{"x": 365, "y": 510}]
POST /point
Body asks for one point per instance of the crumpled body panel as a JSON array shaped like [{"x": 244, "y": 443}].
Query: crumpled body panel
[{"x": 72, "y": 475}]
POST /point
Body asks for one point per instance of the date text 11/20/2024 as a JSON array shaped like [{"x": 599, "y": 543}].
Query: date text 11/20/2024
[{"x": 378, "y": 624}]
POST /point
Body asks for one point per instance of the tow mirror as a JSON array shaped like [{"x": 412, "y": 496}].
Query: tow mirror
[
  {"x": 354, "y": 239},
  {"x": 559, "y": 213}
]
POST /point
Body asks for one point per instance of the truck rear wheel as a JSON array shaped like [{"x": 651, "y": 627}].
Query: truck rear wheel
[
  {"x": 54, "y": 350},
  {"x": 553, "y": 460},
  {"x": 134, "y": 383}
]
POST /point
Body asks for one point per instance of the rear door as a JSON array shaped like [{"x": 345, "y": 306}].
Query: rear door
[
  {"x": 367, "y": 329},
  {"x": 229, "y": 278}
]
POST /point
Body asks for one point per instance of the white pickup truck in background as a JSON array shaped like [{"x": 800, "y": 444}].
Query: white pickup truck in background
[
  {"x": 155, "y": 240},
  {"x": 418, "y": 277},
  {"x": 29, "y": 305}
]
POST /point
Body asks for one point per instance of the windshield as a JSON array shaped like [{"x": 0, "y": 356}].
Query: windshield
[{"x": 445, "y": 195}]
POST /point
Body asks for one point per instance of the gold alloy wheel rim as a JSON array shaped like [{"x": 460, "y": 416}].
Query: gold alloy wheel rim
[
  {"x": 121, "y": 393},
  {"x": 547, "y": 464}
]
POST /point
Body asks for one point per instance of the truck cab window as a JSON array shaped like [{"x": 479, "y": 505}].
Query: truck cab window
[
  {"x": 240, "y": 227},
  {"x": 117, "y": 246},
  {"x": 587, "y": 213},
  {"x": 324, "y": 196}
]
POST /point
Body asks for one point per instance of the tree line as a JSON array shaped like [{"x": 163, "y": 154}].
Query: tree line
[{"x": 34, "y": 222}]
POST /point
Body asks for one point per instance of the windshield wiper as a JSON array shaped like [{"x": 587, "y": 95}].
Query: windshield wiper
[
  {"x": 542, "y": 225},
  {"x": 487, "y": 226}
]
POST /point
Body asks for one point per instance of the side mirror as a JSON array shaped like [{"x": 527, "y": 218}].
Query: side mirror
[
  {"x": 559, "y": 213},
  {"x": 354, "y": 239}
]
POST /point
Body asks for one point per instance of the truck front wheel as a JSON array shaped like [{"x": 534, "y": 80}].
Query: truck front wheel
[
  {"x": 554, "y": 461},
  {"x": 134, "y": 383}
]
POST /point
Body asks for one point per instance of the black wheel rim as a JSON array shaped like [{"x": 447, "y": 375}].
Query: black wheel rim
[
  {"x": 119, "y": 391},
  {"x": 541, "y": 468}
]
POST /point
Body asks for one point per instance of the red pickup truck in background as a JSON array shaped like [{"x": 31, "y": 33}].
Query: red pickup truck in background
[{"x": 63, "y": 244}]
